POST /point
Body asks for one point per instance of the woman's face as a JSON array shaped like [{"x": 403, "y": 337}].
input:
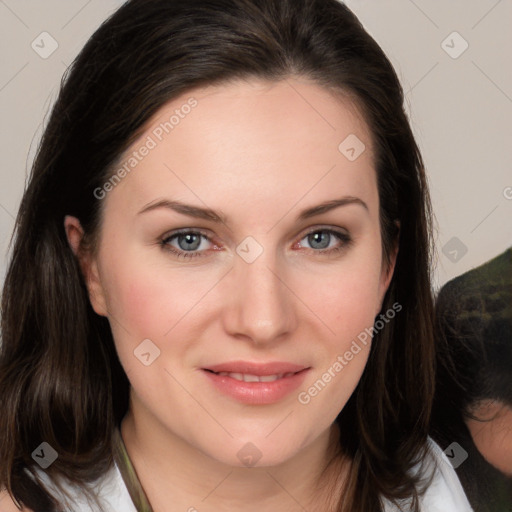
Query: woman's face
[{"x": 276, "y": 274}]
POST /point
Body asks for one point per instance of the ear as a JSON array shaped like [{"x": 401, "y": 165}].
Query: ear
[
  {"x": 88, "y": 264},
  {"x": 387, "y": 272}
]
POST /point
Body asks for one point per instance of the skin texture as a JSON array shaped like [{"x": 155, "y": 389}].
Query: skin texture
[
  {"x": 7, "y": 505},
  {"x": 493, "y": 434},
  {"x": 257, "y": 153}
]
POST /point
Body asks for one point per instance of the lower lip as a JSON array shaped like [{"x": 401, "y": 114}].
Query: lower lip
[{"x": 257, "y": 393}]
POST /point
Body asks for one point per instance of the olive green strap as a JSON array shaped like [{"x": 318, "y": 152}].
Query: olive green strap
[{"x": 129, "y": 475}]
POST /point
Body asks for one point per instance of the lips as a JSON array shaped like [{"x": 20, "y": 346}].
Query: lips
[
  {"x": 256, "y": 383},
  {"x": 248, "y": 377}
]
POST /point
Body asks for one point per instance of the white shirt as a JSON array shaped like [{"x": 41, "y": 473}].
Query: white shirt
[
  {"x": 111, "y": 491},
  {"x": 445, "y": 493}
]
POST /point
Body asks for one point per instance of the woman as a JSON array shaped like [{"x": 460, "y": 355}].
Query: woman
[{"x": 219, "y": 295}]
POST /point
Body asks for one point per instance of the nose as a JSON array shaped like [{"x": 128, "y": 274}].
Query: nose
[{"x": 261, "y": 307}]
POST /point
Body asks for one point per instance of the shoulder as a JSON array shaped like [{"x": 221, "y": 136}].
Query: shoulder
[{"x": 445, "y": 492}]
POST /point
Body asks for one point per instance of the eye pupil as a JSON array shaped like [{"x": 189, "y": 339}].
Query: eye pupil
[
  {"x": 319, "y": 239},
  {"x": 189, "y": 242}
]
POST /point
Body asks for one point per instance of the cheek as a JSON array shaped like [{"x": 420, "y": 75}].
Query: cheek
[
  {"x": 144, "y": 302},
  {"x": 136, "y": 300},
  {"x": 150, "y": 299},
  {"x": 346, "y": 297},
  {"x": 347, "y": 304}
]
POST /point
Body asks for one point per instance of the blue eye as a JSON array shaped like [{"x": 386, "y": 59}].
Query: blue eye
[
  {"x": 190, "y": 243},
  {"x": 186, "y": 244},
  {"x": 326, "y": 240}
]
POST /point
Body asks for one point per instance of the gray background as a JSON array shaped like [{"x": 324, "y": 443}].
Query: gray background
[{"x": 459, "y": 104}]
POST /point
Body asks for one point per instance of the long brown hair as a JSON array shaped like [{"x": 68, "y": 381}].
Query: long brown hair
[{"x": 60, "y": 378}]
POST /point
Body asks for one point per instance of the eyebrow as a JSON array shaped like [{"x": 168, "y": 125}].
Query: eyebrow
[
  {"x": 185, "y": 209},
  {"x": 209, "y": 214},
  {"x": 331, "y": 205}
]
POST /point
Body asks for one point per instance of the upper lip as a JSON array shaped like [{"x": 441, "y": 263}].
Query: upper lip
[{"x": 259, "y": 369}]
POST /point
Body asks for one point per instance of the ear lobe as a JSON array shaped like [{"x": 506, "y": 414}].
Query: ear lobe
[{"x": 88, "y": 265}]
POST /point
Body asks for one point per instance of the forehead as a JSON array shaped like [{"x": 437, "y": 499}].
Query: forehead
[{"x": 258, "y": 140}]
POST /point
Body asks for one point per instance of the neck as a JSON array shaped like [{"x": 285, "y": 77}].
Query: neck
[{"x": 177, "y": 476}]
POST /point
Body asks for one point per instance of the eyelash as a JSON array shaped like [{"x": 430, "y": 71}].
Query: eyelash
[{"x": 344, "y": 238}]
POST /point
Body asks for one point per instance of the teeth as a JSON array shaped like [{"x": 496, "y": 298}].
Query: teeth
[
  {"x": 269, "y": 378},
  {"x": 247, "y": 377},
  {"x": 251, "y": 378}
]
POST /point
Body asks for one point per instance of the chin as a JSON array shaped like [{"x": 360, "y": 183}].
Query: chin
[{"x": 258, "y": 452}]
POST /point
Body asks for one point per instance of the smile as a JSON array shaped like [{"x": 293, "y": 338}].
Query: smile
[
  {"x": 247, "y": 377},
  {"x": 256, "y": 384}
]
